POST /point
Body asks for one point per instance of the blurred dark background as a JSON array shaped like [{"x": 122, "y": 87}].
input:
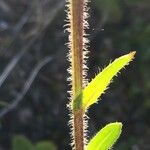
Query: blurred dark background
[{"x": 33, "y": 86}]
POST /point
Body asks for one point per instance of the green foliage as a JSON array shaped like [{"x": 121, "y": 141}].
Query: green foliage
[
  {"x": 106, "y": 137},
  {"x": 83, "y": 98},
  {"x": 100, "y": 83},
  {"x": 45, "y": 145},
  {"x": 20, "y": 142}
]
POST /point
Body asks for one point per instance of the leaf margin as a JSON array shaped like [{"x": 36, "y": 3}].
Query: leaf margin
[{"x": 86, "y": 97}]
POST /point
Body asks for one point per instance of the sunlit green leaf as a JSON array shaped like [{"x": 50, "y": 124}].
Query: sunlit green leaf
[
  {"x": 100, "y": 83},
  {"x": 106, "y": 137}
]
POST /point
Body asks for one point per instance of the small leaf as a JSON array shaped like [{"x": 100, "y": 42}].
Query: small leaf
[
  {"x": 106, "y": 137},
  {"x": 20, "y": 142},
  {"x": 45, "y": 145},
  {"x": 99, "y": 84}
]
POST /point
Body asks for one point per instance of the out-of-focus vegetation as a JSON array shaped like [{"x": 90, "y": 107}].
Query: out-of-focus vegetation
[
  {"x": 22, "y": 143},
  {"x": 31, "y": 31}
]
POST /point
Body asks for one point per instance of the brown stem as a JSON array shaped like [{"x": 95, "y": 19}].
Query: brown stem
[
  {"x": 76, "y": 16},
  {"x": 76, "y": 11},
  {"x": 78, "y": 130}
]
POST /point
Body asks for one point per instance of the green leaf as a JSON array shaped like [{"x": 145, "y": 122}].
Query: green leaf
[
  {"x": 45, "y": 145},
  {"x": 20, "y": 142},
  {"x": 99, "y": 84},
  {"x": 106, "y": 137}
]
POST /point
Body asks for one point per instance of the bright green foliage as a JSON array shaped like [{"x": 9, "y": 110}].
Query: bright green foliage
[
  {"x": 100, "y": 83},
  {"x": 21, "y": 143},
  {"x": 45, "y": 145},
  {"x": 106, "y": 137}
]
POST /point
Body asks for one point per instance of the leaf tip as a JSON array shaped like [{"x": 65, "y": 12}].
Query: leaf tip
[
  {"x": 118, "y": 124},
  {"x": 132, "y": 54}
]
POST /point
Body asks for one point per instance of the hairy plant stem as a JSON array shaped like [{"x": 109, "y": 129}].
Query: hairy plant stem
[
  {"x": 77, "y": 45},
  {"x": 76, "y": 24},
  {"x": 78, "y": 130}
]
